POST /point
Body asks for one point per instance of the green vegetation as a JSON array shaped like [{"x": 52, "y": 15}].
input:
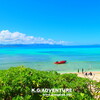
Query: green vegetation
[{"x": 16, "y": 84}]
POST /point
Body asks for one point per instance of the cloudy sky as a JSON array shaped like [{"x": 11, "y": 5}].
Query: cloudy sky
[
  {"x": 6, "y": 37},
  {"x": 70, "y": 22}
]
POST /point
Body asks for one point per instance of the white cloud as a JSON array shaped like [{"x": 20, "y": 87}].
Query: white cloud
[{"x": 6, "y": 37}]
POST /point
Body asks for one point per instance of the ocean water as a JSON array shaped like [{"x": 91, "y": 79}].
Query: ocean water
[{"x": 44, "y": 58}]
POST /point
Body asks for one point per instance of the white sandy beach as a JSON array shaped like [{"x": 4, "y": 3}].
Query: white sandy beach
[{"x": 94, "y": 76}]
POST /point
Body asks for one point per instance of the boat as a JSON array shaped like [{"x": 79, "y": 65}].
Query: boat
[{"x": 60, "y": 62}]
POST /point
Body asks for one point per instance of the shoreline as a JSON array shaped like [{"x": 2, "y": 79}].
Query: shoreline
[
  {"x": 95, "y": 75},
  {"x": 79, "y": 72}
]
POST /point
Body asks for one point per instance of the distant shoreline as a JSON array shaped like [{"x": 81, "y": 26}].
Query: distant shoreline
[{"x": 50, "y": 45}]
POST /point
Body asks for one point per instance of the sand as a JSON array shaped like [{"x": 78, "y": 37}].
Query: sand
[{"x": 94, "y": 76}]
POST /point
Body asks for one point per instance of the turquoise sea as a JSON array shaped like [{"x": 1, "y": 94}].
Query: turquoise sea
[{"x": 44, "y": 58}]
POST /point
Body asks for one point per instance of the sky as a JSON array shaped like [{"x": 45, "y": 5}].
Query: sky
[{"x": 68, "y": 22}]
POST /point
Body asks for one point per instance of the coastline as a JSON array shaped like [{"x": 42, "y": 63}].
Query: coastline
[{"x": 95, "y": 75}]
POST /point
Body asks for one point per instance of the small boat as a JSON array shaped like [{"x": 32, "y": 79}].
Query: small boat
[{"x": 60, "y": 62}]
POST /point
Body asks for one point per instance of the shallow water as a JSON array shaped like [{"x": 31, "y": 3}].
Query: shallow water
[{"x": 44, "y": 58}]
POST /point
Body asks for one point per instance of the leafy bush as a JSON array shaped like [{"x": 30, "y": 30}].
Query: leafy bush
[{"x": 16, "y": 84}]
